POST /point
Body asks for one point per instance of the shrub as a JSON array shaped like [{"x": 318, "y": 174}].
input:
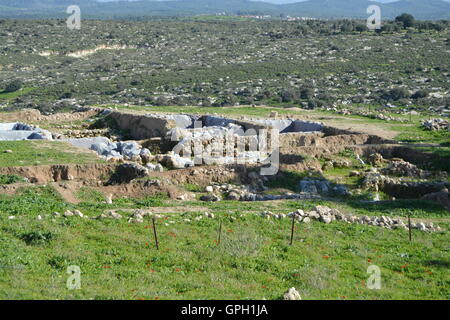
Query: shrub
[
  {"x": 307, "y": 93},
  {"x": 396, "y": 94},
  {"x": 13, "y": 86},
  {"x": 420, "y": 94}
]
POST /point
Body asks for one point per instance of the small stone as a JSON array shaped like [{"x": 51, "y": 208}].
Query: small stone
[
  {"x": 421, "y": 226},
  {"x": 113, "y": 215},
  {"x": 210, "y": 198},
  {"x": 325, "y": 219},
  {"x": 108, "y": 199},
  {"x": 78, "y": 213},
  {"x": 313, "y": 215},
  {"x": 292, "y": 294},
  {"x": 68, "y": 213}
]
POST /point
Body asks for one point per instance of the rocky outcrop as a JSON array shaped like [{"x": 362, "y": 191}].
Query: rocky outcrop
[
  {"x": 127, "y": 172},
  {"x": 141, "y": 126}
]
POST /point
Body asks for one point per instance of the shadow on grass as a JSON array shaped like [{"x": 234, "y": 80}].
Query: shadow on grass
[{"x": 438, "y": 263}]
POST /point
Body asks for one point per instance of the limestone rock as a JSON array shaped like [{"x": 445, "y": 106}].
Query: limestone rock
[{"x": 292, "y": 294}]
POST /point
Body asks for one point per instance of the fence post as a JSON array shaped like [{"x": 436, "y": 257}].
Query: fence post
[
  {"x": 220, "y": 232},
  {"x": 409, "y": 226},
  {"x": 292, "y": 229},
  {"x": 155, "y": 234}
]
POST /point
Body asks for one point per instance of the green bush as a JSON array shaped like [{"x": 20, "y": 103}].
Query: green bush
[{"x": 13, "y": 86}]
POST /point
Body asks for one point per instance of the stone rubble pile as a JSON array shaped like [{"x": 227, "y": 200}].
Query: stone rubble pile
[
  {"x": 218, "y": 145},
  {"x": 436, "y": 124},
  {"x": 375, "y": 159},
  {"x": 319, "y": 213},
  {"x": 247, "y": 193},
  {"x": 78, "y": 134},
  {"x": 330, "y": 164},
  {"x": 405, "y": 169},
  {"x": 172, "y": 160},
  {"x": 109, "y": 215},
  {"x": 376, "y": 181},
  {"x": 327, "y": 215},
  {"x": 270, "y": 197},
  {"x": 320, "y": 186},
  {"x": 113, "y": 151},
  {"x": 138, "y": 216}
]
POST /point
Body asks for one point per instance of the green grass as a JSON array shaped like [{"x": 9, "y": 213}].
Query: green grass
[
  {"x": 6, "y": 96},
  {"x": 289, "y": 180},
  {"x": 30, "y": 153},
  {"x": 193, "y": 188},
  {"x": 10, "y": 179},
  {"x": 254, "y": 261},
  {"x": 416, "y": 135},
  {"x": 244, "y": 110},
  {"x": 86, "y": 194}
]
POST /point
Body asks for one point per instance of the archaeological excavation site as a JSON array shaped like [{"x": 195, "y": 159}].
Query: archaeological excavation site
[
  {"x": 137, "y": 154},
  {"x": 123, "y": 171}
]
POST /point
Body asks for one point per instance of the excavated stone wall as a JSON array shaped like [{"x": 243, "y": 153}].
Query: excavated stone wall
[
  {"x": 389, "y": 151},
  {"x": 142, "y": 127}
]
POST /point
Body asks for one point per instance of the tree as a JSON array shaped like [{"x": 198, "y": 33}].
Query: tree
[
  {"x": 361, "y": 28},
  {"x": 13, "y": 86},
  {"x": 407, "y": 20},
  {"x": 306, "y": 93},
  {"x": 287, "y": 95},
  {"x": 397, "y": 94},
  {"x": 420, "y": 94}
]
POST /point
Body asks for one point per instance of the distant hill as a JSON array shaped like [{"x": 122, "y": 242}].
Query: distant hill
[
  {"x": 421, "y": 9},
  {"x": 330, "y": 9}
]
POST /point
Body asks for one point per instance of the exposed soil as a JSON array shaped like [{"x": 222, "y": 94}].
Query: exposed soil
[
  {"x": 55, "y": 173},
  {"x": 33, "y": 116}
]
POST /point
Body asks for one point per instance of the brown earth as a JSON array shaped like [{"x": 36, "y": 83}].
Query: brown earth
[
  {"x": 54, "y": 173},
  {"x": 33, "y": 116}
]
